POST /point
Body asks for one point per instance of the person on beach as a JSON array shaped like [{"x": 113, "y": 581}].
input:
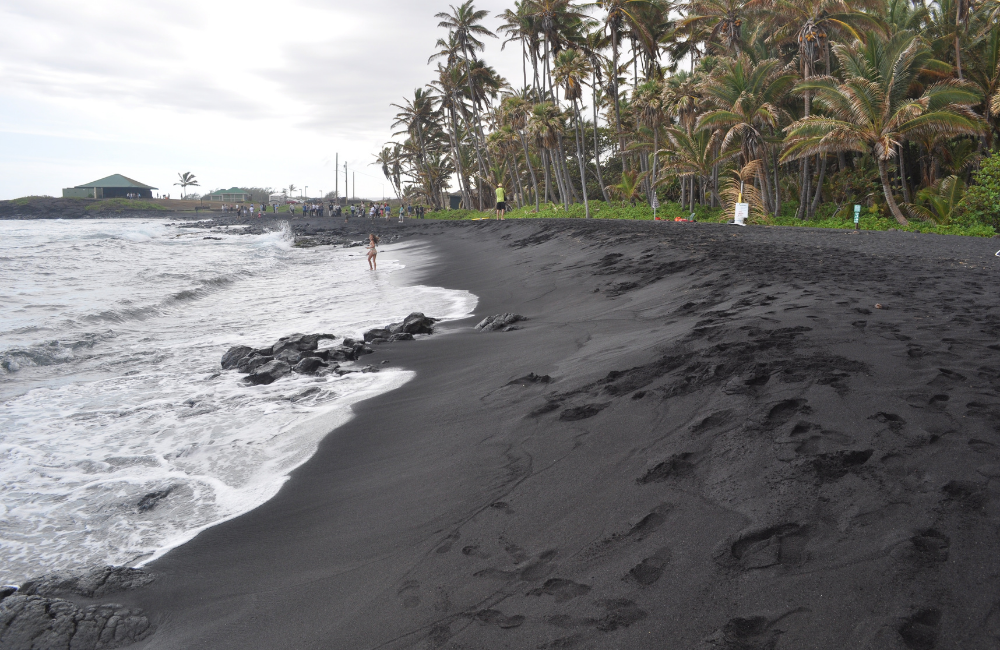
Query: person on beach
[
  {"x": 501, "y": 204},
  {"x": 372, "y": 251},
  {"x": 401, "y": 210}
]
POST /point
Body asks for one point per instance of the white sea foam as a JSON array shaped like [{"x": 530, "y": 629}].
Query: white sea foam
[{"x": 119, "y": 443}]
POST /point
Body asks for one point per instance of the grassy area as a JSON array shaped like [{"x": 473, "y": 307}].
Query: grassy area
[
  {"x": 670, "y": 211},
  {"x": 122, "y": 205},
  {"x": 25, "y": 200}
]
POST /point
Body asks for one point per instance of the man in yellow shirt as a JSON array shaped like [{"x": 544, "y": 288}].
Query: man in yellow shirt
[{"x": 501, "y": 204}]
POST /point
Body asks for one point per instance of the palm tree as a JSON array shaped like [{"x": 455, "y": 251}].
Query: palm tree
[
  {"x": 416, "y": 116},
  {"x": 937, "y": 203},
  {"x": 620, "y": 14},
  {"x": 871, "y": 110},
  {"x": 628, "y": 188},
  {"x": 463, "y": 23},
  {"x": 650, "y": 111},
  {"x": 388, "y": 160},
  {"x": 186, "y": 179},
  {"x": 691, "y": 155},
  {"x": 546, "y": 124},
  {"x": 572, "y": 67},
  {"x": 448, "y": 86},
  {"x": 723, "y": 20},
  {"x": 516, "y": 109},
  {"x": 747, "y": 96}
]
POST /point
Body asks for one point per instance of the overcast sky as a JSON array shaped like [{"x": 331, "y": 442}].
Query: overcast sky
[{"x": 246, "y": 93}]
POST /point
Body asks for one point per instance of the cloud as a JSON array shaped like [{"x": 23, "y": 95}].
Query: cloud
[{"x": 175, "y": 78}]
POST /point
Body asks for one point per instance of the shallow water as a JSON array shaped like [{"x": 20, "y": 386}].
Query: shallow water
[{"x": 111, "y": 395}]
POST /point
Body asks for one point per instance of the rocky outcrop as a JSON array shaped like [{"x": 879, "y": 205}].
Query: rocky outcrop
[
  {"x": 38, "y": 616},
  {"x": 300, "y": 353},
  {"x": 251, "y": 363},
  {"x": 269, "y": 372},
  {"x": 500, "y": 323},
  {"x": 96, "y": 583},
  {"x": 232, "y": 358},
  {"x": 415, "y": 323},
  {"x": 309, "y": 366}
]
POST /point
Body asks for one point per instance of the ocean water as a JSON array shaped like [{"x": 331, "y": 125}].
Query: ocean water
[{"x": 111, "y": 391}]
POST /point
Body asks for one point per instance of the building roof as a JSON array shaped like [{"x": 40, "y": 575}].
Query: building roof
[
  {"x": 117, "y": 180},
  {"x": 231, "y": 190}
]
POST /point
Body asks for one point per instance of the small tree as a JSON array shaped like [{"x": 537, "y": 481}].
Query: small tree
[{"x": 186, "y": 179}]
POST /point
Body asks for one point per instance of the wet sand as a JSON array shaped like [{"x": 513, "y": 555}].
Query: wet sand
[{"x": 733, "y": 438}]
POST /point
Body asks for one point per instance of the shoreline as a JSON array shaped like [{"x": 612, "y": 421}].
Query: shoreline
[{"x": 734, "y": 445}]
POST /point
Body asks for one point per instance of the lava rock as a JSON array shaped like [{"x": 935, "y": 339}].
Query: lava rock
[
  {"x": 376, "y": 334},
  {"x": 287, "y": 343},
  {"x": 311, "y": 341},
  {"x": 309, "y": 365},
  {"x": 417, "y": 323},
  {"x": 500, "y": 322},
  {"x": 151, "y": 500},
  {"x": 402, "y": 336},
  {"x": 251, "y": 363},
  {"x": 349, "y": 343},
  {"x": 340, "y": 353},
  {"x": 361, "y": 349},
  {"x": 234, "y": 355},
  {"x": 290, "y": 356},
  {"x": 96, "y": 583},
  {"x": 40, "y": 622},
  {"x": 269, "y": 372}
]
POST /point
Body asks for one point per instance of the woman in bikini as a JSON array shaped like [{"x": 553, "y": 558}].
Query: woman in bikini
[{"x": 372, "y": 251}]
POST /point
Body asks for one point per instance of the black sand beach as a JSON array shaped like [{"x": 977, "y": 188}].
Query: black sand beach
[{"x": 702, "y": 437}]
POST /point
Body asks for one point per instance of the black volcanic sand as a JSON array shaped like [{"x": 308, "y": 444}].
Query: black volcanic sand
[{"x": 736, "y": 449}]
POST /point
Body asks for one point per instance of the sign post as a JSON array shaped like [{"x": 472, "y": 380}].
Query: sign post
[
  {"x": 742, "y": 212},
  {"x": 656, "y": 204},
  {"x": 857, "y": 217}
]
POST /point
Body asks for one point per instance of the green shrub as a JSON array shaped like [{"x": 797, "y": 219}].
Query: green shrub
[
  {"x": 827, "y": 216},
  {"x": 981, "y": 204}
]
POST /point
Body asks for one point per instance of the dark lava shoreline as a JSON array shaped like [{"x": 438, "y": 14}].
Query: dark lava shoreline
[{"x": 702, "y": 437}]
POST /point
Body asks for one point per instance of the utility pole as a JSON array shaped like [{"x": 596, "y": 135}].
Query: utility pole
[
  {"x": 336, "y": 177},
  {"x": 354, "y": 183}
]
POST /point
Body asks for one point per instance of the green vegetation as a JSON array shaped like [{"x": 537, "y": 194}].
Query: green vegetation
[
  {"x": 122, "y": 205},
  {"x": 844, "y": 219},
  {"x": 800, "y": 108},
  {"x": 981, "y": 203},
  {"x": 26, "y": 200}
]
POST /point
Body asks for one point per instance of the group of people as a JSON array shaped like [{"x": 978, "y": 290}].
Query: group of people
[
  {"x": 375, "y": 210},
  {"x": 372, "y": 210},
  {"x": 250, "y": 210}
]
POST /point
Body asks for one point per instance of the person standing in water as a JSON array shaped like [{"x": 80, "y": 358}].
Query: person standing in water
[
  {"x": 501, "y": 204},
  {"x": 372, "y": 251}
]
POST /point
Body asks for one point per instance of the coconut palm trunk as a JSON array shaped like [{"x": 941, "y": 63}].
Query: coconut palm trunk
[
  {"x": 579, "y": 158},
  {"x": 531, "y": 169},
  {"x": 883, "y": 173},
  {"x": 597, "y": 143}
]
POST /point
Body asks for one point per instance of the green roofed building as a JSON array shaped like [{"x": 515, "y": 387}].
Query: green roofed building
[
  {"x": 112, "y": 187},
  {"x": 232, "y": 195}
]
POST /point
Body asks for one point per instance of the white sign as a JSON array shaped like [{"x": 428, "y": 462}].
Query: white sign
[
  {"x": 857, "y": 213},
  {"x": 742, "y": 212},
  {"x": 656, "y": 202}
]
